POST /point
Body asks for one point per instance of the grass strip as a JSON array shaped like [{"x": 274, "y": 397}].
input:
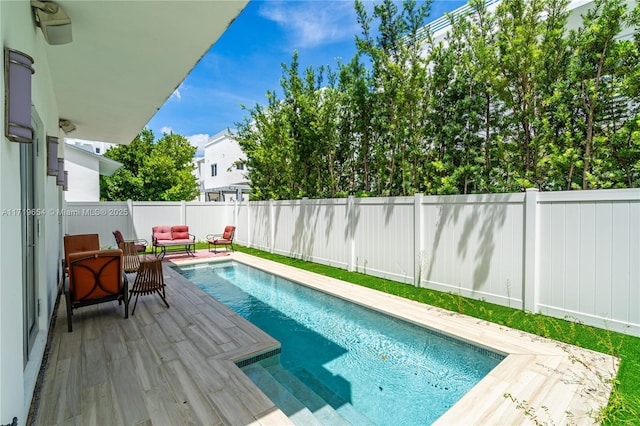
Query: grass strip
[{"x": 624, "y": 403}]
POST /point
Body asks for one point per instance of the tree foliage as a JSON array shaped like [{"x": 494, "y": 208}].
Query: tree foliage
[
  {"x": 511, "y": 99},
  {"x": 151, "y": 170}
]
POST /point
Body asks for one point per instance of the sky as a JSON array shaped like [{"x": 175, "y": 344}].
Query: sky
[{"x": 246, "y": 61}]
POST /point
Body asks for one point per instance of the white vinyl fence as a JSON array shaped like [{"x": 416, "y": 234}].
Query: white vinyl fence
[
  {"x": 572, "y": 254},
  {"x": 136, "y": 218}
]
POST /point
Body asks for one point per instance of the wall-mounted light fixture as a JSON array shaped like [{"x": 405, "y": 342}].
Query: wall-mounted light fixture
[
  {"x": 17, "y": 96},
  {"x": 55, "y": 24},
  {"x": 66, "y": 125},
  {"x": 52, "y": 156},
  {"x": 60, "y": 176}
]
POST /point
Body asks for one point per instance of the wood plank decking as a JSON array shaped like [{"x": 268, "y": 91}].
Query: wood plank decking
[{"x": 162, "y": 366}]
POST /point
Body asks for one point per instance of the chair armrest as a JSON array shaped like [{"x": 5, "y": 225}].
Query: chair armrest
[{"x": 193, "y": 237}]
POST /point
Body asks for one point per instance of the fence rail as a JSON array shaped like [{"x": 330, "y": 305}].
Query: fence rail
[{"x": 569, "y": 254}]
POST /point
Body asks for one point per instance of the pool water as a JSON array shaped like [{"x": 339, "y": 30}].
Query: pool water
[{"x": 388, "y": 371}]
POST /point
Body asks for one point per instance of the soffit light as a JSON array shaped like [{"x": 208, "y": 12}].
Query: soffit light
[
  {"x": 66, "y": 125},
  {"x": 55, "y": 24}
]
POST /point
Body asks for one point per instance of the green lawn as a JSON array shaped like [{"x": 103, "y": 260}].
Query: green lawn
[{"x": 624, "y": 404}]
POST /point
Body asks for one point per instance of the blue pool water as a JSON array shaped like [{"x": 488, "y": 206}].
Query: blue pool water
[{"x": 388, "y": 371}]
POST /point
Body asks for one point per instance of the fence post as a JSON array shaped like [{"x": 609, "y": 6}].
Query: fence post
[
  {"x": 272, "y": 226},
  {"x": 351, "y": 242},
  {"x": 133, "y": 230},
  {"x": 418, "y": 239},
  {"x": 248, "y": 223},
  {"x": 183, "y": 212},
  {"x": 530, "y": 281}
]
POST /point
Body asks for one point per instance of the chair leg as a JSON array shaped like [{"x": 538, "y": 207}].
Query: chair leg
[
  {"x": 69, "y": 324},
  {"x": 133, "y": 311},
  {"x": 163, "y": 296},
  {"x": 126, "y": 296}
]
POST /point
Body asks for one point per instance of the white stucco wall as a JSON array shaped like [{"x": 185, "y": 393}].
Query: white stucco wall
[
  {"x": 223, "y": 151},
  {"x": 84, "y": 176},
  {"x": 16, "y": 379}
]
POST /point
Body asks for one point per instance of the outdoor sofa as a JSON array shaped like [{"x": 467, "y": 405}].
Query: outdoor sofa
[{"x": 172, "y": 236}]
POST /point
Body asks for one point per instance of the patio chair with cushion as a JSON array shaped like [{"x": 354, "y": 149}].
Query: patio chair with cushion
[
  {"x": 79, "y": 242},
  {"x": 95, "y": 276},
  {"x": 140, "y": 245},
  {"x": 225, "y": 239}
]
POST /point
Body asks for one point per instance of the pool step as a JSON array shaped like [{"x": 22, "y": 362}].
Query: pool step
[
  {"x": 320, "y": 408},
  {"x": 343, "y": 407},
  {"x": 281, "y": 397}
]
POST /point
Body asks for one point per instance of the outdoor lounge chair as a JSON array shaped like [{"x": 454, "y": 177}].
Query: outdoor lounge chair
[
  {"x": 225, "y": 239},
  {"x": 140, "y": 245},
  {"x": 95, "y": 277}
]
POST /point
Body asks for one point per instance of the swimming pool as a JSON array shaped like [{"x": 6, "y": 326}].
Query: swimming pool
[{"x": 366, "y": 366}]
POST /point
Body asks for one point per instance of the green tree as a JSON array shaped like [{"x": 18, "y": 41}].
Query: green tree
[
  {"x": 152, "y": 170},
  {"x": 399, "y": 90},
  {"x": 603, "y": 72},
  {"x": 265, "y": 139},
  {"x": 510, "y": 100}
]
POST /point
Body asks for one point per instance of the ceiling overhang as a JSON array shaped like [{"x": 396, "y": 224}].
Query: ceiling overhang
[{"x": 128, "y": 57}]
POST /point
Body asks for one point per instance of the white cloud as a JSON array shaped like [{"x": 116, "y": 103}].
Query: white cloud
[
  {"x": 199, "y": 141},
  {"x": 167, "y": 130},
  {"x": 176, "y": 93},
  {"x": 313, "y": 23}
]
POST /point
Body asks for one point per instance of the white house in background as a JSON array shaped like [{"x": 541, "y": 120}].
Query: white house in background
[
  {"x": 197, "y": 172},
  {"x": 440, "y": 27},
  {"x": 109, "y": 94},
  {"x": 222, "y": 170},
  {"x": 96, "y": 147},
  {"x": 84, "y": 168}
]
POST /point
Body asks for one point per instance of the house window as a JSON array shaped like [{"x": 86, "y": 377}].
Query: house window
[
  {"x": 240, "y": 166},
  {"x": 214, "y": 169}
]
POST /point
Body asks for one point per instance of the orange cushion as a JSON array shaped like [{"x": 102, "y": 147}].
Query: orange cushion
[{"x": 103, "y": 265}]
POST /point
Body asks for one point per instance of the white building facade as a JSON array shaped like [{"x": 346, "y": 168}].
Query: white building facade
[
  {"x": 440, "y": 27},
  {"x": 84, "y": 170},
  {"x": 222, "y": 170}
]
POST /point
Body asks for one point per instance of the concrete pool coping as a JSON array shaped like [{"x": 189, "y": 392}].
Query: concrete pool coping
[{"x": 540, "y": 380}]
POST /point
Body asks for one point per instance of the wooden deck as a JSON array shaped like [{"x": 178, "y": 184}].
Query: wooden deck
[
  {"x": 162, "y": 366},
  {"x": 176, "y": 366}
]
